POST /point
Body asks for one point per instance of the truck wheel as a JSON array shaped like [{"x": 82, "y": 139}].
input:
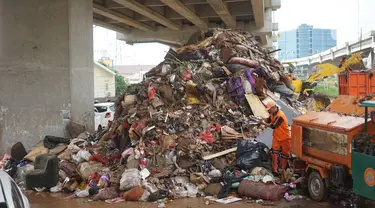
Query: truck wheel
[
  {"x": 321, "y": 101},
  {"x": 317, "y": 187}
]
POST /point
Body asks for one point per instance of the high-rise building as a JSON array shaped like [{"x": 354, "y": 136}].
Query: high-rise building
[{"x": 304, "y": 41}]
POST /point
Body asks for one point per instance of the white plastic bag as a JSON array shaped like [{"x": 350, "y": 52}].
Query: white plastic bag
[
  {"x": 20, "y": 174},
  {"x": 191, "y": 189},
  {"x": 145, "y": 196},
  {"x": 247, "y": 86},
  {"x": 130, "y": 178},
  {"x": 76, "y": 144},
  {"x": 81, "y": 156},
  {"x": 56, "y": 188},
  {"x": 82, "y": 193}
]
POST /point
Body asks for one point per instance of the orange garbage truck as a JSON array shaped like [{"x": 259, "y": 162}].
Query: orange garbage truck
[{"x": 323, "y": 143}]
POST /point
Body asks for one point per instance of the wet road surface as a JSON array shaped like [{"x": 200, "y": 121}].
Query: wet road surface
[{"x": 48, "y": 200}]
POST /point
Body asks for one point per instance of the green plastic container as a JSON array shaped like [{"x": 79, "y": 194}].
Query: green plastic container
[{"x": 363, "y": 173}]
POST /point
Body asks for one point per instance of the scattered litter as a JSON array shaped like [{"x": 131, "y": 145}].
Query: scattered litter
[{"x": 228, "y": 200}]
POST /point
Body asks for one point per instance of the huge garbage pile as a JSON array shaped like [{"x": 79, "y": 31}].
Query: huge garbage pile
[{"x": 185, "y": 130}]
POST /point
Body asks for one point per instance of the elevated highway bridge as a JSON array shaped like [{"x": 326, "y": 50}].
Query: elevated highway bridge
[
  {"x": 46, "y": 52},
  {"x": 174, "y": 21},
  {"x": 366, "y": 45}
]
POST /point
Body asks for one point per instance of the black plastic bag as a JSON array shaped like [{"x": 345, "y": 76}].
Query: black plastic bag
[
  {"x": 160, "y": 194},
  {"x": 252, "y": 154},
  {"x": 10, "y": 167},
  {"x": 190, "y": 55},
  {"x": 236, "y": 67},
  {"x": 50, "y": 142},
  {"x": 230, "y": 175}
]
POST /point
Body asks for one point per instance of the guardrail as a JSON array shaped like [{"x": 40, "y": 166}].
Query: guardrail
[{"x": 337, "y": 52}]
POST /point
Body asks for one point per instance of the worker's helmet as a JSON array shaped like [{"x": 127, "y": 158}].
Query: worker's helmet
[{"x": 270, "y": 104}]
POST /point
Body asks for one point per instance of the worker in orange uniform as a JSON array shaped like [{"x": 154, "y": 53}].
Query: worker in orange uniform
[{"x": 281, "y": 135}]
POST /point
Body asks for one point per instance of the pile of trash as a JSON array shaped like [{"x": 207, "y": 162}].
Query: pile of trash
[{"x": 188, "y": 129}]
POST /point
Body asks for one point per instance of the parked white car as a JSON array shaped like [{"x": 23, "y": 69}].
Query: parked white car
[
  {"x": 10, "y": 194},
  {"x": 98, "y": 120},
  {"x": 106, "y": 111}
]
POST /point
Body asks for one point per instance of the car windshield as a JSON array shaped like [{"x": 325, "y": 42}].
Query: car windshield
[
  {"x": 112, "y": 107},
  {"x": 101, "y": 109}
]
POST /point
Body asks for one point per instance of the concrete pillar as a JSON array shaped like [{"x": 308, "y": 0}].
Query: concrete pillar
[{"x": 46, "y": 69}]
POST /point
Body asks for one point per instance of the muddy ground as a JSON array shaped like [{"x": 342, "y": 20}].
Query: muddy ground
[{"x": 47, "y": 200}]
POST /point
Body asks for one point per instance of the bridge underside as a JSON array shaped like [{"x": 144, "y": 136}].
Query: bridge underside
[{"x": 173, "y": 21}]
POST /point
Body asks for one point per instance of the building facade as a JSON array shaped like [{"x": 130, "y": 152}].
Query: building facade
[
  {"x": 305, "y": 41},
  {"x": 104, "y": 81},
  {"x": 133, "y": 73}
]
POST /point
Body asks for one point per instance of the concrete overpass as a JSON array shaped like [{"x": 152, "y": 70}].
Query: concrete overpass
[
  {"x": 173, "y": 21},
  {"x": 366, "y": 45},
  {"x": 46, "y": 52}
]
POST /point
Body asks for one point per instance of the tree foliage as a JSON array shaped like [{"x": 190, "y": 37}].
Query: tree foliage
[{"x": 121, "y": 84}]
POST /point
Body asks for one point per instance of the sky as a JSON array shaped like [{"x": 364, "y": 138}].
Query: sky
[
  {"x": 341, "y": 15},
  {"x": 106, "y": 45}
]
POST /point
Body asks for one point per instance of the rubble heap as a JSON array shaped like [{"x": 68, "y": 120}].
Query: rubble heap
[{"x": 178, "y": 132}]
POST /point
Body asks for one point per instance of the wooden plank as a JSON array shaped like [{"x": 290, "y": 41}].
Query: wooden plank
[
  {"x": 39, "y": 149},
  {"x": 209, "y": 157},
  {"x": 257, "y": 106}
]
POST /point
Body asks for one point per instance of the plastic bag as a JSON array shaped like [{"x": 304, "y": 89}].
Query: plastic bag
[
  {"x": 207, "y": 137},
  {"x": 106, "y": 193},
  {"x": 82, "y": 193},
  {"x": 87, "y": 168},
  {"x": 129, "y": 179},
  {"x": 190, "y": 55},
  {"x": 20, "y": 175},
  {"x": 191, "y": 190},
  {"x": 10, "y": 167},
  {"x": 247, "y": 86},
  {"x": 76, "y": 144},
  {"x": 252, "y": 154},
  {"x": 215, "y": 174},
  {"x": 134, "y": 194},
  {"x": 160, "y": 194},
  {"x": 260, "y": 190},
  {"x": 179, "y": 192},
  {"x": 81, "y": 156},
  {"x": 236, "y": 67},
  {"x": 51, "y": 142},
  {"x": 145, "y": 196},
  {"x": 165, "y": 69},
  {"x": 56, "y": 188}
]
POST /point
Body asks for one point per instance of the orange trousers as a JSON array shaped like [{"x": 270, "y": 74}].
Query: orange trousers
[{"x": 284, "y": 146}]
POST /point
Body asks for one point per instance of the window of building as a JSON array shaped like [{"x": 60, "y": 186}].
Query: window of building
[{"x": 106, "y": 86}]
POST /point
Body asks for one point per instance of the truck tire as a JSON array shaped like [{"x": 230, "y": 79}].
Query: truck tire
[
  {"x": 317, "y": 187},
  {"x": 322, "y": 101}
]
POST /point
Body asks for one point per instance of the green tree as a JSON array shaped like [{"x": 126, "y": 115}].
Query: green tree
[{"x": 121, "y": 84}]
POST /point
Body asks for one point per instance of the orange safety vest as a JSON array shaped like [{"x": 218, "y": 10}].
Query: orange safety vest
[{"x": 281, "y": 133}]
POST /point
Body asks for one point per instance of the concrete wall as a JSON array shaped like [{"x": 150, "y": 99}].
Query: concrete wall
[
  {"x": 104, "y": 83},
  {"x": 46, "y": 68}
]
